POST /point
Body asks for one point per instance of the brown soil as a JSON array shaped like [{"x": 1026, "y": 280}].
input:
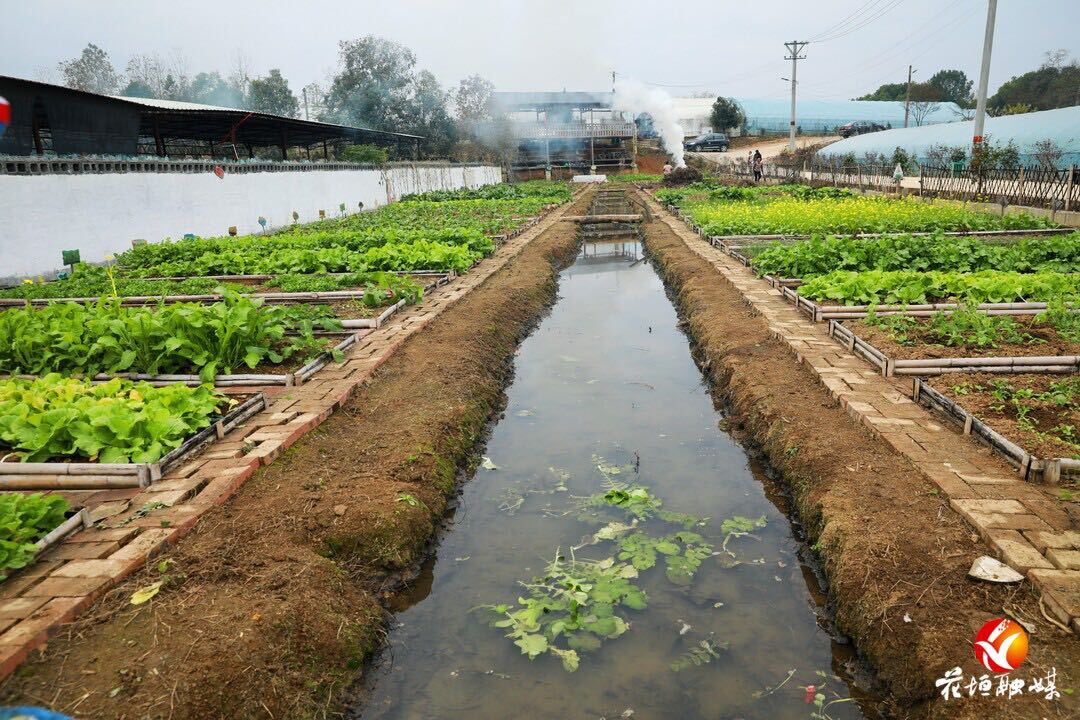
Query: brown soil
[
  {"x": 1045, "y": 341},
  {"x": 274, "y": 601},
  {"x": 889, "y": 543},
  {"x": 1039, "y": 440},
  {"x": 651, "y": 163}
]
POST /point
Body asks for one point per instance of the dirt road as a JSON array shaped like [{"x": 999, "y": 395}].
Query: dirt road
[{"x": 769, "y": 148}]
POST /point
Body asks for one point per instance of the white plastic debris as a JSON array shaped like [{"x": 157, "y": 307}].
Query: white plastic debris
[{"x": 991, "y": 570}]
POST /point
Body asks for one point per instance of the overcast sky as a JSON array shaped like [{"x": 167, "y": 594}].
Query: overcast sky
[{"x": 726, "y": 46}]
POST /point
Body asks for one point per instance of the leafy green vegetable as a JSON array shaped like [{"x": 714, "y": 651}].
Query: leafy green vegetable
[
  {"x": 909, "y": 287},
  {"x": 52, "y": 417},
  {"x": 175, "y": 338},
  {"x": 819, "y": 256},
  {"x": 25, "y": 519}
]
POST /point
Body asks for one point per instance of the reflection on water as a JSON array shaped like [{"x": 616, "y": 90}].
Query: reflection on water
[{"x": 608, "y": 374}]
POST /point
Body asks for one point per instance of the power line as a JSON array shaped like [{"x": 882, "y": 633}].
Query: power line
[
  {"x": 845, "y": 32},
  {"x": 836, "y": 26}
]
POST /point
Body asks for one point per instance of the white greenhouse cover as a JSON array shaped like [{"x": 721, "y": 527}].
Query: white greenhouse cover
[
  {"x": 812, "y": 116},
  {"x": 1061, "y": 126}
]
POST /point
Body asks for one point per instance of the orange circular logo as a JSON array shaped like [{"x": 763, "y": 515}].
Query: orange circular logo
[{"x": 1001, "y": 645}]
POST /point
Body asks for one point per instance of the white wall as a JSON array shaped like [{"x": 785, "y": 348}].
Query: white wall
[{"x": 40, "y": 215}]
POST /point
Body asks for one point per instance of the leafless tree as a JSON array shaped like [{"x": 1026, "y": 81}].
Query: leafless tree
[
  {"x": 1047, "y": 153},
  {"x": 922, "y": 109}
]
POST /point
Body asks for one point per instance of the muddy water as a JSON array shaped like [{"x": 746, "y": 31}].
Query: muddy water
[{"x": 608, "y": 375}]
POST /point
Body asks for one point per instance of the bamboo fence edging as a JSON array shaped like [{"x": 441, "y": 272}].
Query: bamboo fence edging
[
  {"x": 889, "y": 366},
  {"x": 305, "y": 373},
  {"x": 1048, "y": 471},
  {"x": 78, "y": 521},
  {"x": 91, "y": 476}
]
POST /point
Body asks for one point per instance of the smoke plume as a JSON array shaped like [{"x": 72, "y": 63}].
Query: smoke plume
[{"x": 634, "y": 97}]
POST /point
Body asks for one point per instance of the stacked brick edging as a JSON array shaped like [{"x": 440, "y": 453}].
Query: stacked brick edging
[
  {"x": 136, "y": 524},
  {"x": 1023, "y": 523}
]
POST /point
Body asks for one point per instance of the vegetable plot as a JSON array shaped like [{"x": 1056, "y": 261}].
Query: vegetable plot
[
  {"x": 909, "y": 288},
  {"x": 106, "y": 337},
  {"x": 53, "y": 417},
  {"x": 792, "y": 216},
  {"x": 819, "y": 256},
  {"x": 25, "y": 519}
]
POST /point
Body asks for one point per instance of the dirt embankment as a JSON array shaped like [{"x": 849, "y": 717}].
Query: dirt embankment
[
  {"x": 273, "y": 603},
  {"x": 895, "y": 554}
]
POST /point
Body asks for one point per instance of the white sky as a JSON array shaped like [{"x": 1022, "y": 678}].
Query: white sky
[{"x": 731, "y": 47}]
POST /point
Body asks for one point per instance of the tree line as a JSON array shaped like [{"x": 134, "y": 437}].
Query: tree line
[
  {"x": 377, "y": 85},
  {"x": 1054, "y": 84}
]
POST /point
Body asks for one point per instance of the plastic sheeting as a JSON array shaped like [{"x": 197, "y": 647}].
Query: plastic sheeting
[
  {"x": 812, "y": 116},
  {"x": 1062, "y": 126}
]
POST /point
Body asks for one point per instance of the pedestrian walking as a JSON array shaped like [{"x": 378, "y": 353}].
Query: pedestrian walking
[{"x": 757, "y": 165}]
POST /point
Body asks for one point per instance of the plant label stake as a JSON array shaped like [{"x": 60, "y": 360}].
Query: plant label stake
[
  {"x": 71, "y": 258},
  {"x": 262, "y": 223}
]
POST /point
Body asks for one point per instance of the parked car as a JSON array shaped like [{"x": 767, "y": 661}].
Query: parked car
[
  {"x": 859, "y": 127},
  {"x": 708, "y": 142}
]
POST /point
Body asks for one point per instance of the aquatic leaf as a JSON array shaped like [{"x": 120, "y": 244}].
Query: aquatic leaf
[
  {"x": 569, "y": 658},
  {"x": 532, "y": 645}
]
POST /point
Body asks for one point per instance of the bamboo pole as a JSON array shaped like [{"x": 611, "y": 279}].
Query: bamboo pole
[
  {"x": 64, "y": 468},
  {"x": 68, "y": 482}
]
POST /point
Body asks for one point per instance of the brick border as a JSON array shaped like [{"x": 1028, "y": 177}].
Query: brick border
[
  {"x": 134, "y": 525},
  {"x": 1022, "y": 523}
]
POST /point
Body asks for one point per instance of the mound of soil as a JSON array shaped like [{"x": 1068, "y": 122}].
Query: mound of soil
[{"x": 682, "y": 176}]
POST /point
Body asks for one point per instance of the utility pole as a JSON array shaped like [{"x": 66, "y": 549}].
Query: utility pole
[
  {"x": 304, "y": 91},
  {"x": 907, "y": 97},
  {"x": 794, "y": 47},
  {"x": 984, "y": 75},
  {"x": 612, "y": 81}
]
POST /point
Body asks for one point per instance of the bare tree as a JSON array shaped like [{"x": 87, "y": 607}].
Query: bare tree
[
  {"x": 922, "y": 109},
  {"x": 1047, "y": 153}
]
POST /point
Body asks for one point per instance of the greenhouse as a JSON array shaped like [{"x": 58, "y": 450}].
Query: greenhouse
[
  {"x": 1061, "y": 127},
  {"x": 772, "y": 115}
]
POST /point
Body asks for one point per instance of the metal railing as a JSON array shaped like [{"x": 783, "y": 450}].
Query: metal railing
[{"x": 89, "y": 166}]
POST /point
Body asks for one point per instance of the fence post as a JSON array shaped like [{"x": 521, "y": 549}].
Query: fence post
[
  {"x": 1069, "y": 188},
  {"x": 1020, "y": 198},
  {"x": 920, "y": 181}
]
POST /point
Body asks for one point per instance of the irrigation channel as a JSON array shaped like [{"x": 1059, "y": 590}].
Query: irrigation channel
[{"x": 606, "y": 394}]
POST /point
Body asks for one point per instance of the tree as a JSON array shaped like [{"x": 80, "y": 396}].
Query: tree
[
  {"x": 272, "y": 95},
  {"x": 212, "y": 89},
  {"x": 91, "y": 71},
  {"x": 429, "y": 116},
  {"x": 924, "y": 101},
  {"x": 372, "y": 87},
  {"x": 472, "y": 99},
  {"x": 137, "y": 88},
  {"x": 1055, "y": 84},
  {"x": 726, "y": 113},
  {"x": 888, "y": 91},
  {"x": 952, "y": 86}
]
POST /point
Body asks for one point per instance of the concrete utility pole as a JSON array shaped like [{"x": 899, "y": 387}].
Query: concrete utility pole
[
  {"x": 306, "y": 116},
  {"x": 794, "y": 47},
  {"x": 907, "y": 97},
  {"x": 984, "y": 74}
]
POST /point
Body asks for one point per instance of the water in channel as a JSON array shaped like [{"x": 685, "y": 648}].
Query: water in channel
[{"x": 607, "y": 381}]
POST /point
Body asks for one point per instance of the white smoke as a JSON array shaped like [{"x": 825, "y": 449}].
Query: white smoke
[{"x": 634, "y": 97}]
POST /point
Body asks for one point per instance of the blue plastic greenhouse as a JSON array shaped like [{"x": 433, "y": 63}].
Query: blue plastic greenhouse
[
  {"x": 822, "y": 116},
  {"x": 1061, "y": 126}
]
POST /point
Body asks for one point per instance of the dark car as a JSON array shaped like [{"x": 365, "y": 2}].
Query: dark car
[
  {"x": 708, "y": 142},
  {"x": 859, "y": 127}
]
